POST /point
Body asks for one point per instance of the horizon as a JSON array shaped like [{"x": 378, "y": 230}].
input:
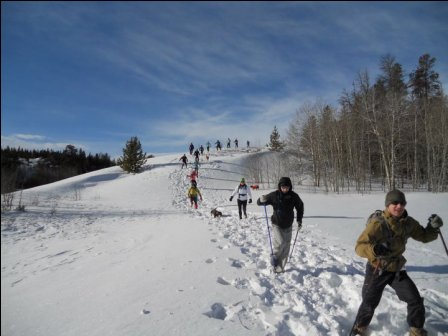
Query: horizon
[{"x": 93, "y": 75}]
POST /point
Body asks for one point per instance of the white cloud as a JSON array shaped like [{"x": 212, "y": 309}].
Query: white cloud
[{"x": 28, "y": 137}]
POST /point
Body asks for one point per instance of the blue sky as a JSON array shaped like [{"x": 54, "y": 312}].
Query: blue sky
[{"x": 94, "y": 74}]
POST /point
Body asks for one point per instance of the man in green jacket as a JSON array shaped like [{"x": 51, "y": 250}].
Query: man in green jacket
[{"x": 383, "y": 243}]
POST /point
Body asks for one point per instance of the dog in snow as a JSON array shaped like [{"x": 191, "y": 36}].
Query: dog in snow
[{"x": 215, "y": 213}]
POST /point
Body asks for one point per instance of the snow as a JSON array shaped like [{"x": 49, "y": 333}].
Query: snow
[{"x": 110, "y": 253}]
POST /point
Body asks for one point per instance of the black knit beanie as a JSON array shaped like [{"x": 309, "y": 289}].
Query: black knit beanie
[{"x": 395, "y": 196}]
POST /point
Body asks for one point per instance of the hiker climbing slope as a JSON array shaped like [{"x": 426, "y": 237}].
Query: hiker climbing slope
[
  {"x": 283, "y": 200},
  {"x": 194, "y": 194},
  {"x": 184, "y": 160},
  {"x": 244, "y": 194},
  {"x": 383, "y": 243}
]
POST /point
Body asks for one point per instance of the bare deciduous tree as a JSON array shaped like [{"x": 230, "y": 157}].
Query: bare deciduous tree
[{"x": 380, "y": 133}]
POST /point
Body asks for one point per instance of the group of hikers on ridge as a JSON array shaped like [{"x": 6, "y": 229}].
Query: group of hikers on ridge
[
  {"x": 201, "y": 150},
  {"x": 218, "y": 146},
  {"x": 382, "y": 242}
]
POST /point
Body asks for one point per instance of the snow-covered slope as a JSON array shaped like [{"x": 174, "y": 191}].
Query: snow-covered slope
[{"x": 109, "y": 253}]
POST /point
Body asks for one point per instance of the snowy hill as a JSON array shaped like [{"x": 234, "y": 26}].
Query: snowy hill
[{"x": 107, "y": 253}]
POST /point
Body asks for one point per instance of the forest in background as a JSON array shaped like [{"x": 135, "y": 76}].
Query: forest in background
[
  {"x": 22, "y": 168},
  {"x": 390, "y": 132}
]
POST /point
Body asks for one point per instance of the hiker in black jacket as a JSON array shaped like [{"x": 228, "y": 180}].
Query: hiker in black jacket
[{"x": 283, "y": 200}]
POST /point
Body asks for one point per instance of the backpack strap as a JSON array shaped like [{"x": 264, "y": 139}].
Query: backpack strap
[
  {"x": 387, "y": 232},
  {"x": 386, "y": 228}
]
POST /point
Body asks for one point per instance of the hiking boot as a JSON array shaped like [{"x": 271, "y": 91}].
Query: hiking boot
[
  {"x": 358, "y": 330},
  {"x": 278, "y": 269},
  {"x": 417, "y": 332}
]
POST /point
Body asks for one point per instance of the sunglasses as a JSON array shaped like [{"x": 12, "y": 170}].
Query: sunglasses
[{"x": 397, "y": 202}]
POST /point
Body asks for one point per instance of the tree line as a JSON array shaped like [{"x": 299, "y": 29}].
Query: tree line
[
  {"x": 22, "y": 168},
  {"x": 392, "y": 131}
]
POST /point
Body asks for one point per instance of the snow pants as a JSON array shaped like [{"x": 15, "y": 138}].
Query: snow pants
[
  {"x": 405, "y": 289},
  {"x": 194, "y": 201},
  {"x": 281, "y": 242},
  {"x": 242, "y": 206}
]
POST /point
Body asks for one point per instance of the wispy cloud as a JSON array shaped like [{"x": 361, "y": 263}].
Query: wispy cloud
[{"x": 28, "y": 137}]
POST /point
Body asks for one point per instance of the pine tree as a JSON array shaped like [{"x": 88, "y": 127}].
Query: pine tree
[
  {"x": 275, "y": 144},
  {"x": 430, "y": 121},
  {"x": 133, "y": 157},
  {"x": 424, "y": 81}
]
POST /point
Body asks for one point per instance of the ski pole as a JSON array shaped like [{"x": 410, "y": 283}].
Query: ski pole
[
  {"x": 269, "y": 233},
  {"x": 295, "y": 239},
  {"x": 443, "y": 241}
]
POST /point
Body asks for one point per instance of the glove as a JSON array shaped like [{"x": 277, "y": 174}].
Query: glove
[
  {"x": 250, "y": 200},
  {"x": 299, "y": 225},
  {"x": 381, "y": 250},
  {"x": 231, "y": 198},
  {"x": 435, "y": 221},
  {"x": 263, "y": 199}
]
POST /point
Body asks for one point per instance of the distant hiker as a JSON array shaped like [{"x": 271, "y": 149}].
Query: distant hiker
[
  {"x": 196, "y": 167},
  {"x": 196, "y": 155},
  {"x": 236, "y": 143},
  {"x": 228, "y": 142},
  {"x": 193, "y": 175},
  {"x": 383, "y": 243},
  {"x": 218, "y": 145},
  {"x": 248, "y": 143},
  {"x": 184, "y": 160},
  {"x": 193, "y": 194},
  {"x": 191, "y": 148},
  {"x": 208, "y": 146},
  {"x": 283, "y": 201},
  {"x": 244, "y": 194},
  {"x": 201, "y": 149}
]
